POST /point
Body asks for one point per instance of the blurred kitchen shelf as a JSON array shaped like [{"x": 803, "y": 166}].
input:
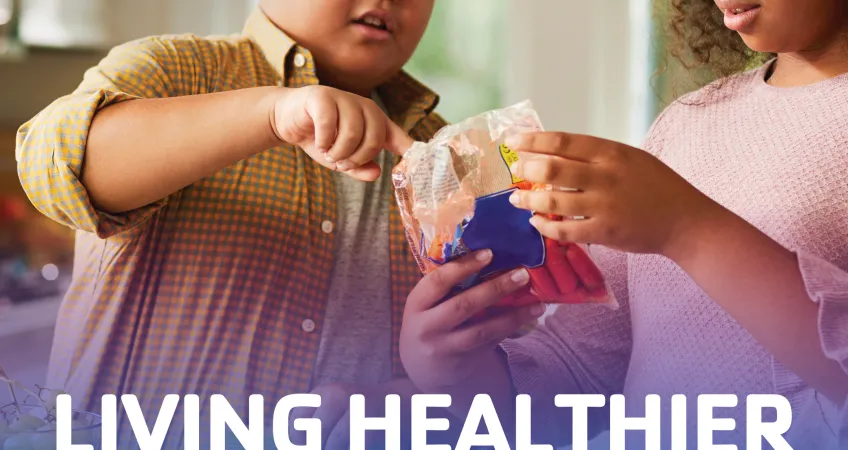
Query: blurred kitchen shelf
[
  {"x": 12, "y": 51},
  {"x": 43, "y": 75},
  {"x": 16, "y": 52}
]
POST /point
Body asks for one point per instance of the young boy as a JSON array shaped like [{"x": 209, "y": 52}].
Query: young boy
[{"x": 237, "y": 232}]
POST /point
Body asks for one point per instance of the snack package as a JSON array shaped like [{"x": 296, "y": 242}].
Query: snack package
[{"x": 453, "y": 194}]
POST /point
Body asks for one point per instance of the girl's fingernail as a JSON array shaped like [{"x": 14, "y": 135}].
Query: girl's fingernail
[
  {"x": 562, "y": 189},
  {"x": 513, "y": 198},
  {"x": 512, "y": 141},
  {"x": 344, "y": 166},
  {"x": 329, "y": 158},
  {"x": 534, "y": 221},
  {"x": 515, "y": 169},
  {"x": 520, "y": 276},
  {"x": 483, "y": 255}
]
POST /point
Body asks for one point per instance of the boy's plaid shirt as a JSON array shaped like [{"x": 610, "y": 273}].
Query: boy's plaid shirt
[{"x": 207, "y": 290}]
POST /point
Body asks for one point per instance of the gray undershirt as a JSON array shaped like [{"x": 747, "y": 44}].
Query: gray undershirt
[{"x": 357, "y": 331}]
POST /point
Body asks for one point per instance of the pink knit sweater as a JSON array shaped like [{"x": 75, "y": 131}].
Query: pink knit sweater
[{"x": 778, "y": 157}]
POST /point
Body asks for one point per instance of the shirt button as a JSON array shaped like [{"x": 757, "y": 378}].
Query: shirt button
[
  {"x": 327, "y": 227},
  {"x": 308, "y": 325},
  {"x": 299, "y": 60}
]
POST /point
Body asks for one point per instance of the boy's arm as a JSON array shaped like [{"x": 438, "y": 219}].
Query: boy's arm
[
  {"x": 96, "y": 161},
  {"x": 141, "y": 151}
]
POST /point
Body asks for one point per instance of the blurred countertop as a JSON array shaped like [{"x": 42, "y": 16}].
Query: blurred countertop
[
  {"x": 38, "y": 314},
  {"x": 28, "y": 317}
]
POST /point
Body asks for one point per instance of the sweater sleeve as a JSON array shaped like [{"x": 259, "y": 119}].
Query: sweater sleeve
[
  {"x": 51, "y": 146},
  {"x": 827, "y": 286},
  {"x": 579, "y": 349}
]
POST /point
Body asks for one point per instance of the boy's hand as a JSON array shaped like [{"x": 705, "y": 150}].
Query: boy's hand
[{"x": 340, "y": 130}]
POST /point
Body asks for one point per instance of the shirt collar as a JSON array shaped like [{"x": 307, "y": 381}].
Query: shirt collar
[
  {"x": 406, "y": 99},
  {"x": 275, "y": 44}
]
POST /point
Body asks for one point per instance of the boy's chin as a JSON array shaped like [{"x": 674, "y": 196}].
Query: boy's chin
[{"x": 361, "y": 74}]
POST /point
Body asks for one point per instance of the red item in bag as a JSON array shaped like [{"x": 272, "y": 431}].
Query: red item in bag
[
  {"x": 585, "y": 267},
  {"x": 564, "y": 275},
  {"x": 576, "y": 277}
]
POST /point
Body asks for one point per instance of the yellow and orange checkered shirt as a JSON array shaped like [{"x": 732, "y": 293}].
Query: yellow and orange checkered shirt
[{"x": 206, "y": 290}]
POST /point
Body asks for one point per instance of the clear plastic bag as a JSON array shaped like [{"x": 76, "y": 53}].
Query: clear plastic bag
[{"x": 453, "y": 195}]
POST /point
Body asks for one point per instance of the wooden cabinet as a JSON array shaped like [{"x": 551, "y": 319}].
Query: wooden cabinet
[{"x": 9, "y": 183}]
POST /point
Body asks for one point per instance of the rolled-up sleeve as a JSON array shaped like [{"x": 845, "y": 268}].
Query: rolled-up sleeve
[{"x": 50, "y": 148}]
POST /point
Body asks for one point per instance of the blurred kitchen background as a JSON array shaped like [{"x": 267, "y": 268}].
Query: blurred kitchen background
[{"x": 588, "y": 66}]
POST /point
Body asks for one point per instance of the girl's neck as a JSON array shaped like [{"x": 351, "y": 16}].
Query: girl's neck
[{"x": 811, "y": 66}]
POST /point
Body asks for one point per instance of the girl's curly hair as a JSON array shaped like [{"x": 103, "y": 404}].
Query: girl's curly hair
[{"x": 702, "y": 44}]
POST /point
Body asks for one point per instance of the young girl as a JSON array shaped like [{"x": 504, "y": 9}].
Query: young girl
[{"x": 726, "y": 242}]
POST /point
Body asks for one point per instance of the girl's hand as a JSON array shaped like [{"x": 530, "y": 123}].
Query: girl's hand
[
  {"x": 627, "y": 198},
  {"x": 340, "y": 130},
  {"x": 440, "y": 349}
]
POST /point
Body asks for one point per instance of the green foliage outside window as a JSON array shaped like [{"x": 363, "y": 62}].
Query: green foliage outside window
[{"x": 462, "y": 56}]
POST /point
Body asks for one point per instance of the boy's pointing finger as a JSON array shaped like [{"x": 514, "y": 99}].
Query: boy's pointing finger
[{"x": 397, "y": 140}]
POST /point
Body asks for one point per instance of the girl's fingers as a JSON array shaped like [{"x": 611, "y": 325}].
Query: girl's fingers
[
  {"x": 459, "y": 309},
  {"x": 566, "y": 204},
  {"x": 554, "y": 170},
  {"x": 351, "y": 126},
  {"x": 491, "y": 332},
  {"x": 433, "y": 288},
  {"x": 580, "y": 231},
  {"x": 572, "y": 146}
]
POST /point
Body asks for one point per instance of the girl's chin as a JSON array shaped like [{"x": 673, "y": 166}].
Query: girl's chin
[{"x": 759, "y": 44}]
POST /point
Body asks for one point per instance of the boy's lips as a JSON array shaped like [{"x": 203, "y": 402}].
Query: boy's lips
[{"x": 375, "y": 24}]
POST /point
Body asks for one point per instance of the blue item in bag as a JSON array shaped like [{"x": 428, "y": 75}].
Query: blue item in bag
[{"x": 504, "y": 229}]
